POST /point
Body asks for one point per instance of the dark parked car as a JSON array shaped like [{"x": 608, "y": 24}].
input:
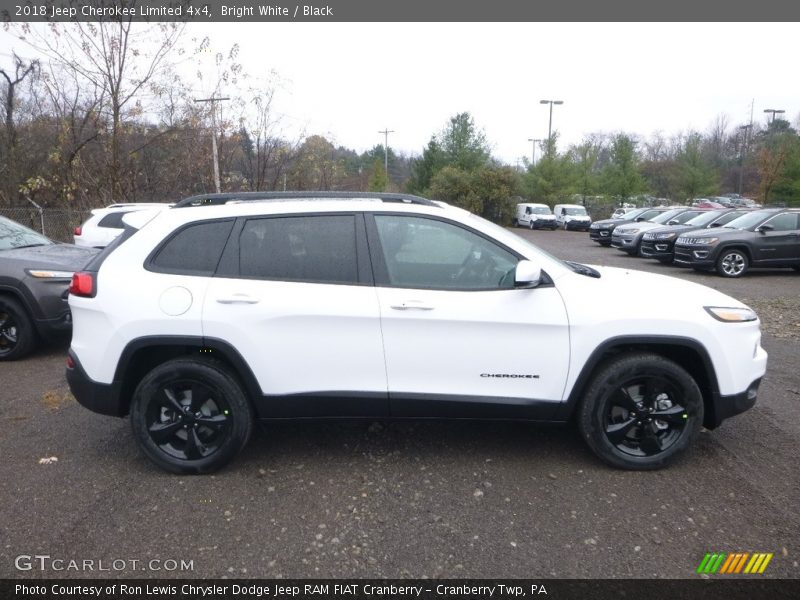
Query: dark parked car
[
  {"x": 628, "y": 237},
  {"x": 35, "y": 274},
  {"x": 659, "y": 243},
  {"x": 600, "y": 231},
  {"x": 762, "y": 238}
]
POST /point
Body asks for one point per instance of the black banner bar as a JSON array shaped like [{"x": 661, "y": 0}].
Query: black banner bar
[
  {"x": 242, "y": 11},
  {"x": 717, "y": 588}
]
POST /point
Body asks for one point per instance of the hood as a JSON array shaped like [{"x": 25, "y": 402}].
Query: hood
[
  {"x": 720, "y": 232},
  {"x": 52, "y": 256},
  {"x": 615, "y": 222},
  {"x": 641, "y": 226},
  {"x": 676, "y": 229}
]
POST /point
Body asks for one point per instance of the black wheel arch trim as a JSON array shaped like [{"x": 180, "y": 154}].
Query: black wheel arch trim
[{"x": 709, "y": 385}]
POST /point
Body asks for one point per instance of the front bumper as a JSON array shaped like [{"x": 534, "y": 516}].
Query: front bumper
[
  {"x": 601, "y": 236},
  {"x": 101, "y": 398},
  {"x": 660, "y": 249},
  {"x": 626, "y": 242},
  {"x": 694, "y": 255},
  {"x": 545, "y": 224},
  {"x": 577, "y": 225},
  {"x": 724, "y": 407}
]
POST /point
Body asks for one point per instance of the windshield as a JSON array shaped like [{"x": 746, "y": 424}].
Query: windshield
[
  {"x": 666, "y": 217},
  {"x": 578, "y": 210},
  {"x": 632, "y": 214},
  {"x": 749, "y": 220},
  {"x": 540, "y": 210},
  {"x": 14, "y": 235},
  {"x": 704, "y": 219}
]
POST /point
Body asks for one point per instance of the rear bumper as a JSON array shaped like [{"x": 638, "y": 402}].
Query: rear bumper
[
  {"x": 724, "y": 407},
  {"x": 101, "y": 398}
]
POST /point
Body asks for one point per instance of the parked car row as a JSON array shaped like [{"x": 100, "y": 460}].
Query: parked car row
[{"x": 726, "y": 240}]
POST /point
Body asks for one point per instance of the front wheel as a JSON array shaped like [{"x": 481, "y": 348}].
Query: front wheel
[
  {"x": 641, "y": 412},
  {"x": 17, "y": 334},
  {"x": 190, "y": 416},
  {"x": 732, "y": 263}
]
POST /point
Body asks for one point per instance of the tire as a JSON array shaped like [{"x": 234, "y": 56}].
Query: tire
[
  {"x": 732, "y": 263},
  {"x": 187, "y": 435},
  {"x": 530, "y": 225},
  {"x": 515, "y": 223},
  {"x": 17, "y": 334},
  {"x": 796, "y": 268},
  {"x": 605, "y": 244},
  {"x": 665, "y": 261},
  {"x": 618, "y": 417}
]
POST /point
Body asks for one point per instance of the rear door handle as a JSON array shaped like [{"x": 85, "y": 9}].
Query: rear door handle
[
  {"x": 412, "y": 305},
  {"x": 237, "y": 299}
]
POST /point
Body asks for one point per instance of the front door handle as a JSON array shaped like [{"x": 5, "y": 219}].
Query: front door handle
[
  {"x": 237, "y": 299},
  {"x": 412, "y": 305}
]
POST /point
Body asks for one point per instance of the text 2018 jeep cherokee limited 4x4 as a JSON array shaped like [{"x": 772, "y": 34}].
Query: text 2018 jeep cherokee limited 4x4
[{"x": 234, "y": 307}]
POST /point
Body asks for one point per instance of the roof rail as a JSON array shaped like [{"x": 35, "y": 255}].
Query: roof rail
[{"x": 216, "y": 199}]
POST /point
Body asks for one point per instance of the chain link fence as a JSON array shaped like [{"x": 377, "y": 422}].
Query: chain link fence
[{"x": 56, "y": 223}]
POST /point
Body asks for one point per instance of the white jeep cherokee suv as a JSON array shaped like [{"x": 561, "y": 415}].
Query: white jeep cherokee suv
[{"x": 228, "y": 308}]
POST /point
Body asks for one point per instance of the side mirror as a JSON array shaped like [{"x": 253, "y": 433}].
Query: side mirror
[
  {"x": 527, "y": 275},
  {"x": 765, "y": 228},
  {"x": 639, "y": 219},
  {"x": 716, "y": 225},
  {"x": 674, "y": 222}
]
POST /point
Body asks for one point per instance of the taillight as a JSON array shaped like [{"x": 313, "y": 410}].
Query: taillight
[
  {"x": 83, "y": 285},
  {"x": 78, "y": 230},
  {"x": 70, "y": 362}
]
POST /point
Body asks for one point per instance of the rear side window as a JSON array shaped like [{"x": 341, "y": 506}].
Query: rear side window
[
  {"x": 113, "y": 220},
  {"x": 316, "y": 248},
  {"x": 194, "y": 249}
]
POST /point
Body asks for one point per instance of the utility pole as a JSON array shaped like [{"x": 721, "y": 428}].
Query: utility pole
[
  {"x": 550, "y": 125},
  {"x": 746, "y": 129},
  {"x": 213, "y": 102},
  {"x": 774, "y": 111},
  {"x": 386, "y": 133}
]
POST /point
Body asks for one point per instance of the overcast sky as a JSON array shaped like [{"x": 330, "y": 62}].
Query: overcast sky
[{"x": 348, "y": 81}]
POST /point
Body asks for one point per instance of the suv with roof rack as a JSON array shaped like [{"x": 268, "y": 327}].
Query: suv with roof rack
[{"x": 229, "y": 308}]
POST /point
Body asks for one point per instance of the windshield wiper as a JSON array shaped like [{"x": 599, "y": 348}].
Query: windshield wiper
[
  {"x": 28, "y": 246},
  {"x": 583, "y": 269}
]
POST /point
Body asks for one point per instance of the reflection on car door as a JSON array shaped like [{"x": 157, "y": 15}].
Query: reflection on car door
[{"x": 459, "y": 339}]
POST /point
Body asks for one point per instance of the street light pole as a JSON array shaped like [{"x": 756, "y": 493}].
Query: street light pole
[
  {"x": 550, "y": 124},
  {"x": 533, "y": 149},
  {"x": 774, "y": 111}
]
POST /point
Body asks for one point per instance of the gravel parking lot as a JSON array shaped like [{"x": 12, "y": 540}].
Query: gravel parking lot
[{"x": 409, "y": 499}]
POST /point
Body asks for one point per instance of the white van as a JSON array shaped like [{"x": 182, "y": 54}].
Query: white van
[
  {"x": 535, "y": 216},
  {"x": 572, "y": 216}
]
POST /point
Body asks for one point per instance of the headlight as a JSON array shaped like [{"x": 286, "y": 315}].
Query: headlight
[
  {"x": 44, "y": 274},
  {"x": 665, "y": 236},
  {"x": 731, "y": 315},
  {"x": 698, "y": 241}
]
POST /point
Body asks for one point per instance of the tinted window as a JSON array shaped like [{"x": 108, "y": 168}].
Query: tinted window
[
  {"x": 727, "y": 218},
  {"x": 113, "y": 220},
  {"x": 194, "y": 249},
  {"x": 314, "y": 248},
  {"x": 784, "y": 222},
  {"x": 426, "y": 253}
]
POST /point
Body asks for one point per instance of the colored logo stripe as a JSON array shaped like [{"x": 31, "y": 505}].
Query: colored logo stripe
[{"x": 720, "y": 562}]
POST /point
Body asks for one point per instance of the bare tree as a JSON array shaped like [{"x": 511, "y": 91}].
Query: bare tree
[{"x": 8, "y": 170}]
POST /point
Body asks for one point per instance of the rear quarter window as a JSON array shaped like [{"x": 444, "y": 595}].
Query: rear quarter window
[
  {"x": 194, "y": 249},
  {"x": 113, "y": 220}
]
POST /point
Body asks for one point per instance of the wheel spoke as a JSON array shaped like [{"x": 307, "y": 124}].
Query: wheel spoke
[
  {"x": 215, "y": 422},
  {"x": 674, "y": 414},
  {"x": 617, "y": 432},
  {"x": 169, "y": 400},
  {"x": 7, "y": 335},
  {"x": 194, "y": 446},
  {"x": 200, "y": 394},
  {"x": 649, "y": 443},
  {"x": 623, "y": 398},
  {"x": 161, "y": 432}
]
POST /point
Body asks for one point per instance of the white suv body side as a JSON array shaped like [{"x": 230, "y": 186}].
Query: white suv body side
[{"x": 514, "y": 348}]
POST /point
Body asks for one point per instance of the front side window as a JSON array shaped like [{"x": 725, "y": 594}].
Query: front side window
[
  {"x": 784, "y": 222},
  {"x": 316, "y": 248},
  {"x": 432, "y": 254}
]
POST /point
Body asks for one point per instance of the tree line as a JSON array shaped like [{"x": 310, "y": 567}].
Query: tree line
[{"x": 105, "y": 117}]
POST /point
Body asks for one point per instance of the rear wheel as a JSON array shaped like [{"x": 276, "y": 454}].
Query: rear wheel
[
  {"x": 190, "y": 416},
  {"x": 732, "y": 263},
  {"x": 641, "y": 412},
  {"x": 17, "y": 334}
]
